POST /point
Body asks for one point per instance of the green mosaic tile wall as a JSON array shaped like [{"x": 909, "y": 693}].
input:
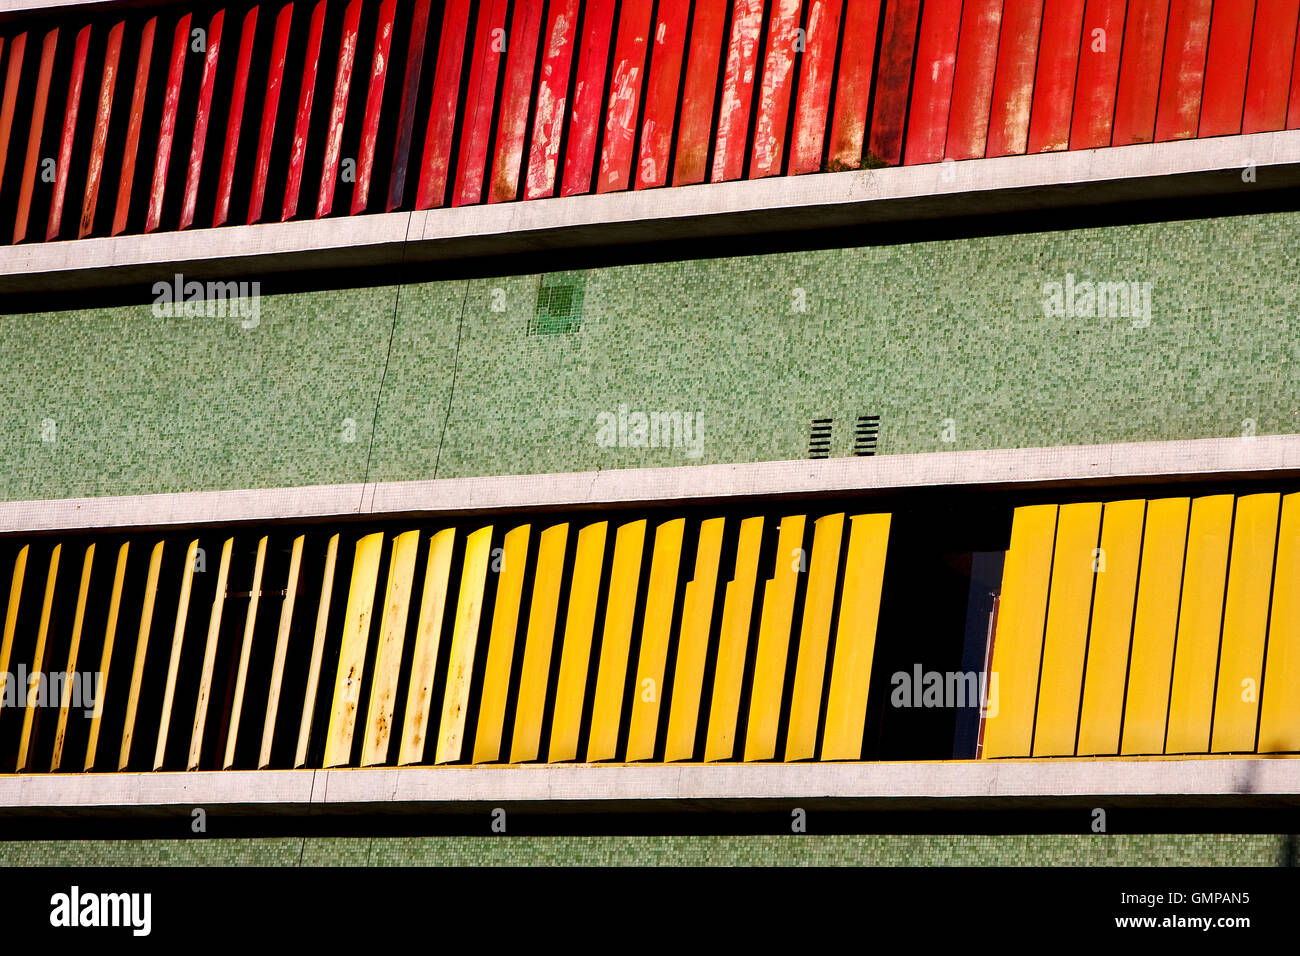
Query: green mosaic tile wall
[
  {"x": 804, "y": 850},
  {"x": 949, "y": 333}
]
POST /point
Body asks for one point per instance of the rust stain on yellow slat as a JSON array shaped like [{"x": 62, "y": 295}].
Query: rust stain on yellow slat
[
  {"x": 174, "y": 659},
  {"x": 352, "y": 650},
  {"x": 693, "y": 643},
  {"x": 317, "y": 652},
  {"x": 428, "y": 635},
  {"x": 388, "y": 656},
  {"x": 616, "y": 641},
  {"x": 737, "y": 607},
  {"x": 209, "y": 659},
  {"x": 656, "y": 628},
  {"x": 814, "y": 638},
  {"x": 501, "y": 645},
  {"x": 530, "y": 707},
  {"x": 464, "y": 641},
  {"x": 281, "y": 650}
]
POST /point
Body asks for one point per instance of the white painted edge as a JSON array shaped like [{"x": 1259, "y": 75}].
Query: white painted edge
[
  {"x": 874, "y": 783},
  {"x": 1195, "y": 459}
]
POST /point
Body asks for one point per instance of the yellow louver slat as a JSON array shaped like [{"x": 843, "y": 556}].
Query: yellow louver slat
[
  {"x": 855, "y": 637},
  {"x": 38, "y": 659},
  {"x": 530, "y": 707},
  {"x": 814, "y": 638},
  {"x": 281, "y": 650},
  {"x": 1279, "y": 717},
  {"x": 388, "y": 656},
  {"x": 737, "y": 608},
  {"x": 1245, "y": 623},
  {"x": 661, "y": 595},
  {"x": 11, "y": 620},
  {"x": 1064, "y": 644},
  {"x": 616, "y": 641},
  {"x": 352, "y": 650},
  {"x": 575, "y": 654},
  {"x": 774, "y": 642},
  {"x": 106, "y": 654},
  {"x": 693, "y": 643},
  {"x": 74, "y": 648},
  {"x": 1200, "y": 618},
  {"x": 501, "y": 645},
  {"x": 464, "y": 641},
  {"x": 141, "y": 650},
  {"x": 245, "y": 651},
  {"x": 174, "y": 658},
  {"x": 428, "y": 635},
  {"x": 1018, "y": 640},
  {"x": 317, "y": 652},
  {"x": 209, "y": 658}
]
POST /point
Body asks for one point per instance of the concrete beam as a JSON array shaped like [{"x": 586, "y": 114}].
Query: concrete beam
[{"x": 1187, "y": 168}]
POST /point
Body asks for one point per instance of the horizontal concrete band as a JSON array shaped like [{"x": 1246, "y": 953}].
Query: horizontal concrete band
[
  {"x": 981, "y": 186},
  {"x": 1199, "y": 459},
  {"x": 1193, "y": 781}
]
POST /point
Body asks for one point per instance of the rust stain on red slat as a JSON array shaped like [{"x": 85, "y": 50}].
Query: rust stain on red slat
[
  {"x": 16, "y": 50},
  {"x": 103, "y": 114},
  {"x": 521, "y": 59},
  {"x": 1184, "y": 69},
  {"x": 936, "y": 61},
  {"x": 34, "y": 135},
  {"x": 374, "y": 101},
  {"x": 774, "y": 90},
  {"x": 813, "y": 101},
  {"x": 588, "y": 96},
  {"x": 406, "y": 111},
  {"x": 662, "y": 85},
  {"x": 302, "y": 124},
  {"x": 1225, "y": 68},
  {"x": 175, "y": 72},
  {"x": 972, "y": 85},
  {"x": 1139, "y": 72},
  {"x": 134, "y": 122},
  {"x": 485, "y": 62},
  {"x": 698, "y": 91},
  {"x": 201, "y": 116},
  {"x": 238, "y": 97},
  {"x": 1013, "y": 85},
  {"x": 1099, "y": 53},
  {"x": 436, "y": 162},
  {"x": 1058, "y": 64},
  {"x": 338, "y": 108},
  {"x": 1272, "y": 53},
  {"x": 624, "y": 96},
  {"x": 552, "y": 99},
  {"x": 79, "y": 48},
  {"x": 853, "y": 91},
  {"x": 737, "y": 91},
  {"x": 898, "y": 47},
  {"x": 270, "y": 107}
]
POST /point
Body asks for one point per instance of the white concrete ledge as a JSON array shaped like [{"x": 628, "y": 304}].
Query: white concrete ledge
[
  {"x": 968, "y": 784},
  {"x": 1184, "y": 168},
  {"x": 1194, "y": 460}
]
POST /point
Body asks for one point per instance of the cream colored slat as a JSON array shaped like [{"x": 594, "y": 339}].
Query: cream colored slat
[
  {"x": 428, "y": 635},
  {"x": 209, "y": 659},
  {"x": 388, "y": 656},
  {"x": 174, "y": 659},
  {"x": 245, "y": 652},
  {"x": 352, "y": 650},
  {"x": 317, "y": 652},
  {"x": 281, "y": 650},
  {"x": 464, "y": 641}
]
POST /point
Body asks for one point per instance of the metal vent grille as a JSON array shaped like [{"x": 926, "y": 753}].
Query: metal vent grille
[
  {"x": 865, "y": 434},
  {"x": 819, "y": 438}
]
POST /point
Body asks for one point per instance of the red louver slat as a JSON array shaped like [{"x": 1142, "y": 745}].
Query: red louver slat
[
  {"x": 897, "y": 47},
  {"x": 1139, "y": 72},
  {"x": 1226, "y": 67},
  {"x": 972, "y": 85},
  {"x": 737, "y": 91},
  {"x": 75, "y": 81},
  {"x": 238, "y": 97},
  {"x": 853, "y": 91},
  {"x": 103, "y": 113},
  {"x": 270, "y": 107},
  {"x": 661, "y": 93},
  {"x": 1058, "y": 64},
  {"x": 302, "y": 123},
  {"x": 698, "y": 91},
  {"x": 406, "y": 112},
  {"x": 374, "y": 102},
  {"x": 521, "y": 59},
  {"x": 1099, "y": 54},
  {"x": 552, "y": 100},
  {"x": 588, "y": 97},
  {"x": 817, "y": 70},
  {"x": 624, "y": 96},
  {"x": 1293, "y": 100},
  {"x": 435, "y": 165},
  {"x": 167, "y": 132},
  {"x": 936, "y": 63},
  {"x": 1272, "y": 53},
  {"x": 134, "y": 122},
  {"x": 34, "y": 135},
  {"x": 485, "y": 62},
  {"x": 1184, "y": 69},
  {"x": 12, "y": 75},
  {"x": 202, "y": 115},
  {"x": 1013, "y": 85},
  {"x": 774, "y": 90},
  {"x": 338, "y": 108}
]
